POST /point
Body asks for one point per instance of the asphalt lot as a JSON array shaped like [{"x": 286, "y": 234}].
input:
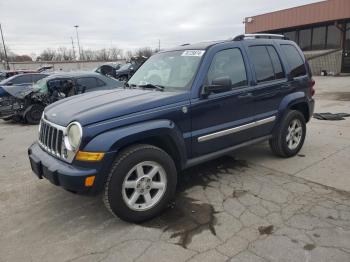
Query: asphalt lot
[{"x": 250, "y": 206}]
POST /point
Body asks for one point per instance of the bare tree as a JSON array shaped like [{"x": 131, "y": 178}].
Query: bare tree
[{"x": 47, "y": 55}]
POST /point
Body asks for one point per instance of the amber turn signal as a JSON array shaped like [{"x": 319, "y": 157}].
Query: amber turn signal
[
  {"x": 89, "y": 181},
  {"x": 89, "y": 156}
]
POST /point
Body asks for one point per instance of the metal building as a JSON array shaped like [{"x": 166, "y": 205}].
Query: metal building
[{"x": 321, "y": 29}]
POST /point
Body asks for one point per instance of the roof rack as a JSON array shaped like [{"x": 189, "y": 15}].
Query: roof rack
[{"x": 257, "y": 36}]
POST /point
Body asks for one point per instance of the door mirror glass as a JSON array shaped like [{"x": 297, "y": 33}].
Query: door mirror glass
[{"x": 218, "y": 85}]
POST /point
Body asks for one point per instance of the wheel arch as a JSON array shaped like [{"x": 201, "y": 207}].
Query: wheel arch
[{"x": 160, "y": 133}]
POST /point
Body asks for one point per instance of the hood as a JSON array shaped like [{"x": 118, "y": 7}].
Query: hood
[
  {"x": 18, "y": 91},
  {"x": 98, "y": 106}
]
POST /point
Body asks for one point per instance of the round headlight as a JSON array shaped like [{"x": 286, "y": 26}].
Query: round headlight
[{"x": 74, "y": 134}]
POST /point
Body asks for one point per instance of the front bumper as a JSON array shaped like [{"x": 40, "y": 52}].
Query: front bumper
[{"x": 69, "y": 176}]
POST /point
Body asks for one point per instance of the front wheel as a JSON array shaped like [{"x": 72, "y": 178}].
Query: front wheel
[
  {"x": 141, "y": 183},
  {"x": 290, "y": 137},
  {"x": 33, "y": 114}
]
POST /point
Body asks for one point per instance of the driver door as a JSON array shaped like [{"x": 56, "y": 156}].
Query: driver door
[{"x": 218, "y": 117}]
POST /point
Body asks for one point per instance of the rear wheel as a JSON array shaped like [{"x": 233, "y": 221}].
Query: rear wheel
[
  {"x": 33, "y": 114},
  {"x": 141, "y": 183},
  {"x": 290, "y": 137}
]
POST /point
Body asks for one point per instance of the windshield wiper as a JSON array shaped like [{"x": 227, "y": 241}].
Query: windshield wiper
[{"x": 152, "y": 86}]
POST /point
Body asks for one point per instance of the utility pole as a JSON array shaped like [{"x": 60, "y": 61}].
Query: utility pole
[
  {"x": 76, "y": 29},
  {"x": 75, "y": 58},
  {"x": 3, "y": 43}
]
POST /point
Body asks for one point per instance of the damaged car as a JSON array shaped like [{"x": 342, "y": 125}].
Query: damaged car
[{"x": 27, "y": 104}]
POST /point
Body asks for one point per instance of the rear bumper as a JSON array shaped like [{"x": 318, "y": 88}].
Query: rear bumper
[
  {"x": 311, "y": 108},
  {"x": 69, "y": 176}
]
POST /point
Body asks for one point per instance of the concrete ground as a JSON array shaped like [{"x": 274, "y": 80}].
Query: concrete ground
[{"x": 250, "y": 206}]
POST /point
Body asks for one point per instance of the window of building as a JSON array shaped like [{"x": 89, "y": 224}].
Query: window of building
[
  {"x": 333, "y": 37},
  {"x": 262, "y": 63},
  {"x": 295, "y": 61},
  {"x": 276, "y": 62},
  {"x": 319, "y": 38},
  {"x": 292, "y": 35},
  {"x": 228, "y": 63},
  {"x": 305, "y": 39}
]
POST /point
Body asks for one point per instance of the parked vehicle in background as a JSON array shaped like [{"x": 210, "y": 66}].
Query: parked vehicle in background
[
  {"x": 23, "y": 79},
  {"x": 108, "y": 69},
  {"x": 8, "y": 73},
  {"x": 206, "y": 100},
  {"x": 27, "y": 104},
  {"x": 127, "y": 70}
]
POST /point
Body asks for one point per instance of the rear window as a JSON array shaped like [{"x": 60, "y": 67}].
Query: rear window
[
  {"x": 262, "y": 63},
  {"x": 295, "y": 60}
]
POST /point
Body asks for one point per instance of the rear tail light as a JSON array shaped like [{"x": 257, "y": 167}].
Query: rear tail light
[{"x": 312, "y": 86}]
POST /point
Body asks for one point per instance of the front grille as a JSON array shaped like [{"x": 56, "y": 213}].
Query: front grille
[{"x": 51, "y": 138}]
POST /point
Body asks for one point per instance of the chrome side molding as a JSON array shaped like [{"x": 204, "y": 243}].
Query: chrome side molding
[{"x": 236, "y": 129}]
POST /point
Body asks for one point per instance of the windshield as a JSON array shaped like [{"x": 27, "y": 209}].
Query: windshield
[
  {"x": 5, "y": 81},
  {"x": 41, "y": 86},
  {"x": 173, "y": 70}
]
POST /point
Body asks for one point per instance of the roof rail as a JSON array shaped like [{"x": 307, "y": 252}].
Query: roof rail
[{"x": 257, "y": 36}]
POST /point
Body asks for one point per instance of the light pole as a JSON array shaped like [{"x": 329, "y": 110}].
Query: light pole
[
  {"x": 76, "y": 29},
  {"x": 3, "y": 43}
]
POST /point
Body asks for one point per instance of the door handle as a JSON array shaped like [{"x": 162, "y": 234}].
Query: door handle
[{"x": 245, "y": 95}]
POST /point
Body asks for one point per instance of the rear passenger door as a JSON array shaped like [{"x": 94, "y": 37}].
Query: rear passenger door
[{"x": 269, "y": 86}]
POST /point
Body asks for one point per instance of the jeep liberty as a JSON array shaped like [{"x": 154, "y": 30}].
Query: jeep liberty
[{"x": 182, "y": 107}]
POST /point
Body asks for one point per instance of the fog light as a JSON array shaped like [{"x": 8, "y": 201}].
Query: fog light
[
  {"x": 89, "y": 156},
  {"x": 89, "y": 181}
]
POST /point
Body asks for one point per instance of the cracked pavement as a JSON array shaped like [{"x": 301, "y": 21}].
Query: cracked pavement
[{"x": 250, "y": 206}]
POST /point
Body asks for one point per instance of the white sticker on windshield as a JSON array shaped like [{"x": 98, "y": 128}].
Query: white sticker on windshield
[{"x": 193, "y": 53}]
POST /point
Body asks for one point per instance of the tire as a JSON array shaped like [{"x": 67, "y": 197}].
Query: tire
[
  {"x": 286, "y": 142},
  {"x": 33, "y": 114},
  {"x": 132, "y": 192}
]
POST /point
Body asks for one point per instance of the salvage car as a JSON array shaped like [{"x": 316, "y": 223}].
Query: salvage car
[
  {"x": 27, "y": 104},
  {"x": 127, "y": 70},
  {"x": 207, "y": 100},
  {"x": 108, "y": 69}
]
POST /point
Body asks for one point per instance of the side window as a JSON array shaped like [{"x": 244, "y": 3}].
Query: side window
[
  {"x": 228, "y": 63},
  {"x": 38, "y": 77},
  {"x": 100, "y": 82},
  {"x": 262, "y": 63},
  {"x": 22, "y": 79},
  {"x": 87, "y": 82},
  {"x": 295, "y": 60},
  {"x": 276, "y": 62}
]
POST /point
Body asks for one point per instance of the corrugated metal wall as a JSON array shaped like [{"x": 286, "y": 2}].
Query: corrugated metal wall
[{"x": 330, "y": 10}]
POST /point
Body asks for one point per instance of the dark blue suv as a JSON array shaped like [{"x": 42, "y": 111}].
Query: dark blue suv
[{"x": 182, "y": 107}]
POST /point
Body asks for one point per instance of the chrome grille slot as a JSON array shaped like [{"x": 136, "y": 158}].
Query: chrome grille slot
[{"x": 51, "y": 138}]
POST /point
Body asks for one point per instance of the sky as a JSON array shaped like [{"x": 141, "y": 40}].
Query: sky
[{"x": 30, "y": 26}]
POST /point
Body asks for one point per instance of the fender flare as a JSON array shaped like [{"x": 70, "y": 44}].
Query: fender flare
[
  {"x": 113, "y": 140},
  {"x": 286, "y": 103}
]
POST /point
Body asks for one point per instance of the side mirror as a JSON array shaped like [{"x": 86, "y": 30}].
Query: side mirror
[
  {"x": 290, "y": 77},
  {"x": 9, "y": 84},
  {"x": 220, "y": 84}
]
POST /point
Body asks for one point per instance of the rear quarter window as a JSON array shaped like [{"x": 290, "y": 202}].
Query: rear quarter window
[{"x": 295, "y": 61}]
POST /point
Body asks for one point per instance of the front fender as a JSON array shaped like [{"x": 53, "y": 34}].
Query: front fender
[{"x": 113, "y": 140}]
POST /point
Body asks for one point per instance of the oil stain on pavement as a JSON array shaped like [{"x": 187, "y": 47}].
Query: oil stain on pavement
[{"x": 186, "y": 217}]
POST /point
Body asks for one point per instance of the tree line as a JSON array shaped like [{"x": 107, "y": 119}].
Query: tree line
[{"x": 67, "y": 54}]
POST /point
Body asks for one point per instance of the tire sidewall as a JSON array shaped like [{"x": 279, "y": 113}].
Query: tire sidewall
[
  {"x": 120, "y": 170},
  {"x": 284, "y": 131}
]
